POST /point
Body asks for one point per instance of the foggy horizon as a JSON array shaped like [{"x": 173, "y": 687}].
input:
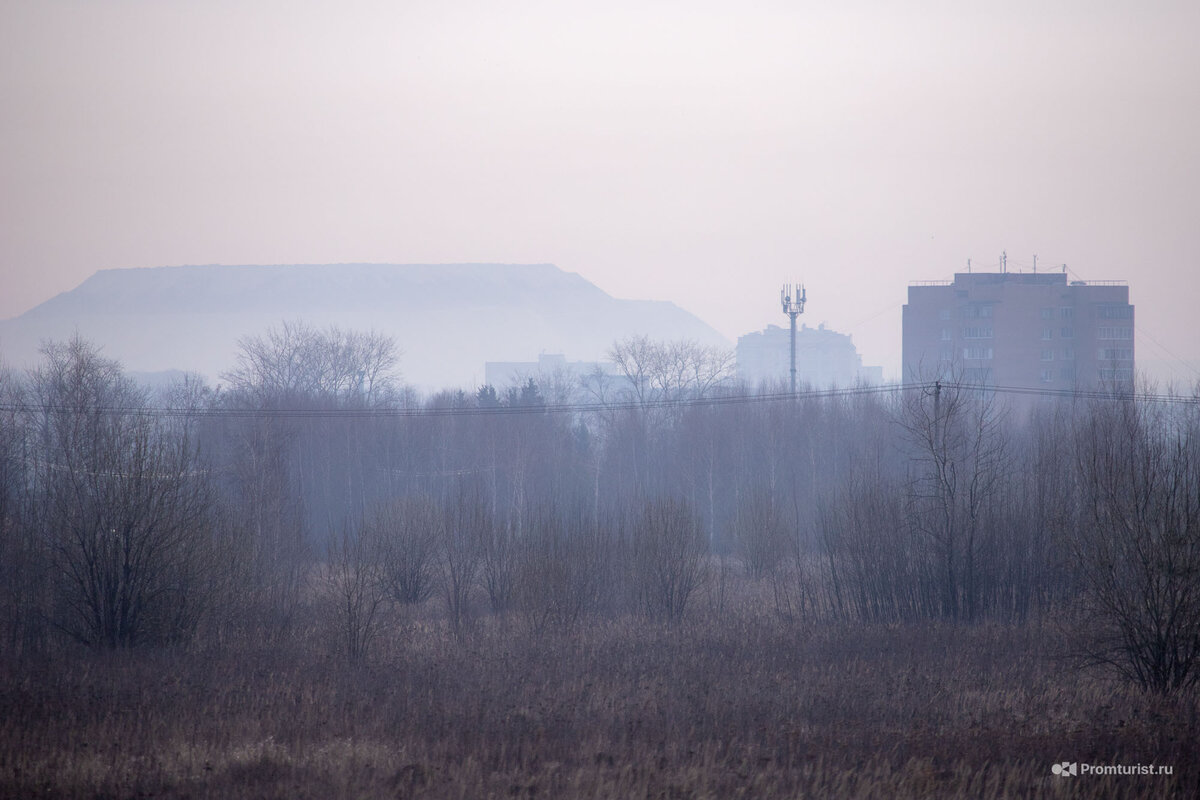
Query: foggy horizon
[
  {"x": 1171, "y": 374},
  {"x": 701, "y": 155},
  {"x": 369, "y": 543}
]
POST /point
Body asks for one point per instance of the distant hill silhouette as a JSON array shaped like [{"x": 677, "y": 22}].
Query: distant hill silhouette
[{"x": 447, "y": 319}]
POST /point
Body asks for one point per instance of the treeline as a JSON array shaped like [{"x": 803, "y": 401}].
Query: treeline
[{"x": 312, "y": 483}]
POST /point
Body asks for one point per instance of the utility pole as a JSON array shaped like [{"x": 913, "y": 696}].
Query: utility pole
[{"x": 793, "y": 306}]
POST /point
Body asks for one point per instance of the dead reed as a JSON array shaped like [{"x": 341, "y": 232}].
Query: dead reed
[{"x": 738, "y": 706}]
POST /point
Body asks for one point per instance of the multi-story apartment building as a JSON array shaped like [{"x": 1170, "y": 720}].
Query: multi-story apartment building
[
  {"x": 824, "y": 358},
  {"x": 1024, "y": 330}
]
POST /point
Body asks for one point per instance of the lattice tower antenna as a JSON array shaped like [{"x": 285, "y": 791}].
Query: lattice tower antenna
[{"x": 793, "y": 305}]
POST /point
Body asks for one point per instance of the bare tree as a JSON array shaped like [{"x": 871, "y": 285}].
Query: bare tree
[
  {"x": 874, "y": 571},
  {"x": 298, "y": 361},
  {"x": 308, "y": 476},
  {"x": 271, "y": 522},
  {"x": 665, "y": 371},
  {"x": 355, "y": 580},
  {"x": 669, "y": 551},
  {"x": 1138, "y": 541},
  {"x": 651, "y": 376},
  {"x": 124, "y": 504},
  {"x": 759, "y": 532},
  {"x": 959, "y": 459},
  {"x": 409, "y": 531},
  {"x": 501, "y": 553},
  {"x": 565, "y": 565},
  {"x": 468, "y": 525},
  {"x": 22, "y": 556}
]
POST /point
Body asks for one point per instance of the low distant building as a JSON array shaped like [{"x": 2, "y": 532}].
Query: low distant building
[
  {"x": 1022, "y": 330},
  {"x": 548, "y": 367},
  {"x": 824, "y": 358},
  {"x": 559, "y": 380}
]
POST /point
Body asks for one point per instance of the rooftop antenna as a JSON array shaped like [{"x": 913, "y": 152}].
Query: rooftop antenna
[
  {"x": 1035, "y": 263},
  {"x": 968, "y": 266},
  {"x": 1004, "y": 261},
  {"x": 793, "y": 306}
]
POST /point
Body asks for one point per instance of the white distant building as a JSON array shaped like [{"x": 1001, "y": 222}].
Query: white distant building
[
  {"x": 549, "y": 366},
  {"x": 824, "y": 358}
]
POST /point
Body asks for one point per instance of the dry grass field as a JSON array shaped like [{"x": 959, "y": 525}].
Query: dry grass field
[{"x": 744, "y": 705}]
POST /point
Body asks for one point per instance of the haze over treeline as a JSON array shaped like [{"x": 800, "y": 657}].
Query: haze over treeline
[
  {"x": 938, "y": 501},
  {"x": 331, "y": 569},
  {"x": 316, "y": 577}
]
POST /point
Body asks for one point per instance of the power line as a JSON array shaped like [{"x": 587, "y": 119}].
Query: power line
[
  {"x": 1141, "y": 330},
  {"x": 590, "y": 408},
  {"x": 545, "y": 408}
]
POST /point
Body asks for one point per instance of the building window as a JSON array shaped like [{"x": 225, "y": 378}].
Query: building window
[
  {"x": 1068, "y": 354},
  {"x": 1067, "y": 373},
  {"x": 1067, "y": 333},
  {"x": 1067, "y": 312},
  {"x": 977, "y": 374},
  {"x": 1116, "y": 374},
  {"x": 946, "y": 354},
  {"x": 1047, "y": 333},
  {"x": 1047, "y": 355},
  {"x": 977, "y": 311},
  {"x": 947, "y": 334},
  {"x": 944, "y": 314},
  {"x": 1047, "y": 313},
  {"x": 977, "y": 333},
  {"x": 1114, "y": 354},
  {"x": 1047, "y": 376},
  {"x": 1114, "y": 312},
  {"x": 977, "y": 353},
  {"x": 1114, "y": 333}
]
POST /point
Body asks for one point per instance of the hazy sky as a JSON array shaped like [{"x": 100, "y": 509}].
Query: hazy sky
[{"x": 698, "y": 152}]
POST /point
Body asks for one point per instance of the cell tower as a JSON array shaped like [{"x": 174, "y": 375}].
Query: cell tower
[{"x": 793, "y": 306}]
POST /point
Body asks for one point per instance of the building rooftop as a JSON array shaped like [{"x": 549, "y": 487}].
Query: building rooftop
[{"x": 1028, "y": 278}]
